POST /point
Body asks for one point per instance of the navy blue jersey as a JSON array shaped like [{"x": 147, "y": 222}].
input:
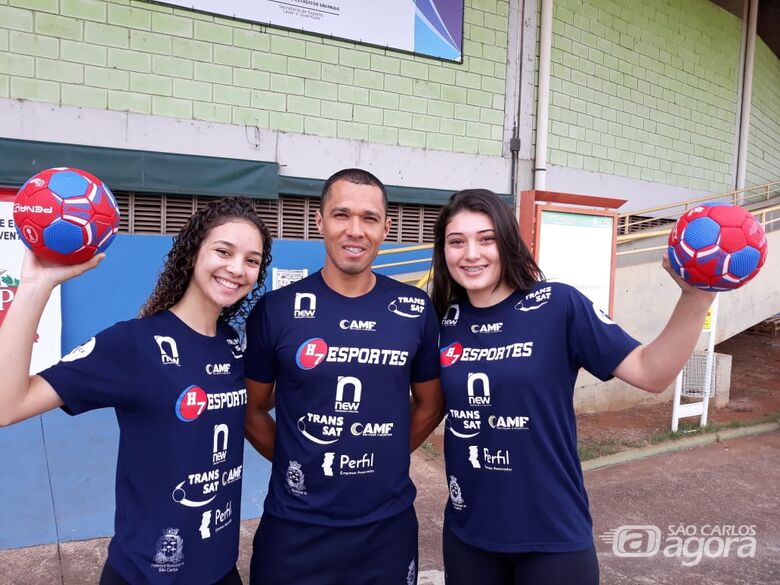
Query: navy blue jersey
[
  {"x": 342, "y": 368},
  {"x": 508, "y": 375},
  {"x": 180, "y": 402}
]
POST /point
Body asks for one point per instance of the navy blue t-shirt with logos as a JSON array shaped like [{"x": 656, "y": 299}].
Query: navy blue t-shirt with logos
[
  {"x": 180, "y": 401},
  {"x": 508, "y": 375},
  {"x": 342, "y": 368}
]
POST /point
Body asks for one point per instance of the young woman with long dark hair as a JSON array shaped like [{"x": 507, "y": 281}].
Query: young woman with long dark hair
[
  {"x": 175, "y": 378},
  {"x": 511, "y": 347}
]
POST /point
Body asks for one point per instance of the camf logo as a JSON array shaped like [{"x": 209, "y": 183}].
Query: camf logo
[
  {"x": 217, "y": 369},
  {"x": 487, "y": 328},
  {"x": 357, "y": 325},
  {"x": 220, "y": 454},
  {"x": 311, "y": 303},
  {"x": 474, "y": 399},
  {"x": 169, "y": 353},
  {"x": 343, "y": 405}
]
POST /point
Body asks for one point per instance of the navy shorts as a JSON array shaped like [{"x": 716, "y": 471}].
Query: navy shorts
[
  {"x": 293, "y": 553},
  {"x": 111, "y": 577},
  {"x": 467, "y": 565}
]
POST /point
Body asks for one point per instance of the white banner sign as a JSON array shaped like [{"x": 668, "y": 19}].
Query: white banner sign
[
  {"x": 577, "y": 248},
  {"x": 46, "y": 350},
  {"x": 283, "y": 276},
  {"x": 427, "y": 27}
]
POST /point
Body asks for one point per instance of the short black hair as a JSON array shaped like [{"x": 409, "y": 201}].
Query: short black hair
[{"x": 356, "y": 177}]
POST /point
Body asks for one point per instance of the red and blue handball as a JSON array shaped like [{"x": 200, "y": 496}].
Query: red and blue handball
[
  {"x": 717, "y": 246},
  {"x": 66, "y": 215}
]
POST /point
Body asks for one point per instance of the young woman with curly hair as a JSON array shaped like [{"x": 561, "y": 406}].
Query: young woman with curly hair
[
  {"x": 511, "y": 347},
  {"x": 175, "y": 378}
]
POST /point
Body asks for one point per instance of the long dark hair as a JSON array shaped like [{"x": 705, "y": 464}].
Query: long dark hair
[
  {"x": 180, "y": 261},
  {"x": 518, "y": 268}
]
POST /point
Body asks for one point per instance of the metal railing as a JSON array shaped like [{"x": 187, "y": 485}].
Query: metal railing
[
  {"x": 760, "y": 214},
  {"x": 643, "y": 226},
  {"x": 747, "y": 197}
]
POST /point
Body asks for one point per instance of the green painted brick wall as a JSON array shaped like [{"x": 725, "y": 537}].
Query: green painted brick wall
[
  {"x": 135, "y": 56},
  {"x": 645, "y": 90},
  {"x": 763, "y": 156}
]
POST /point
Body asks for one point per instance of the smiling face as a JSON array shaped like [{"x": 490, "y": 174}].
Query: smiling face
[
  {"x": 227, "y": 265},
  {"x": 472, "y": 258},
  {"x": 353, "y": 223}
]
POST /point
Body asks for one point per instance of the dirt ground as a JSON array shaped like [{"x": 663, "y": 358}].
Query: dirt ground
[{"x": 755, "y": 394}]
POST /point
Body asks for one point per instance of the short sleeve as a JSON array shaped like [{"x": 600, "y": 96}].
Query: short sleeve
[
  {"x": 97, "y": 374},
  {"x": 425, "y": 365},
  {"x": 260, "y": 361},
  {"x": 595, "y": 341}
]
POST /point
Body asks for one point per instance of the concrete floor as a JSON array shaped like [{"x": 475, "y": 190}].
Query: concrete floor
[
  {"x": 721, "y": 487},
  {"x": 718, "y": 487}
]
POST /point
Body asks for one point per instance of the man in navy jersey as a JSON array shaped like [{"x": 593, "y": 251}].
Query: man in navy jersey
[{"x": 342, "y": 348}]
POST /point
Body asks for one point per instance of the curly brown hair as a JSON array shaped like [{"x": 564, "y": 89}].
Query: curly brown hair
[{"x": 179, "y": 262}]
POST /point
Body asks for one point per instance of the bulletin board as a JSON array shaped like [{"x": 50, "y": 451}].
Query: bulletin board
[{"x": 577, "y": 246}]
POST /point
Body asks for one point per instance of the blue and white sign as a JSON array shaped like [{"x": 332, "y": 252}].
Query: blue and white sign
[{"x": 428, "y": 27}]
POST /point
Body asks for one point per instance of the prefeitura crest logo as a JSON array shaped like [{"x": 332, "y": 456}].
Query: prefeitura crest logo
[{"x": 295, "y": 479}]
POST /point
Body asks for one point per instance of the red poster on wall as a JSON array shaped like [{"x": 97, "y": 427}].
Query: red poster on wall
[{"x": 47, "y": 347}]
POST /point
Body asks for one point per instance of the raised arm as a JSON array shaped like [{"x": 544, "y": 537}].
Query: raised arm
[
  {"x": 259, "y": 426},
  {"x": 23, "y": 396},
  {"x": 427, "y": 410},
  {"x": 653, "y": 367}
]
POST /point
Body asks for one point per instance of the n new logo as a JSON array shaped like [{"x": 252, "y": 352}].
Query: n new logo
[{"x": 299, "y": 312}]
